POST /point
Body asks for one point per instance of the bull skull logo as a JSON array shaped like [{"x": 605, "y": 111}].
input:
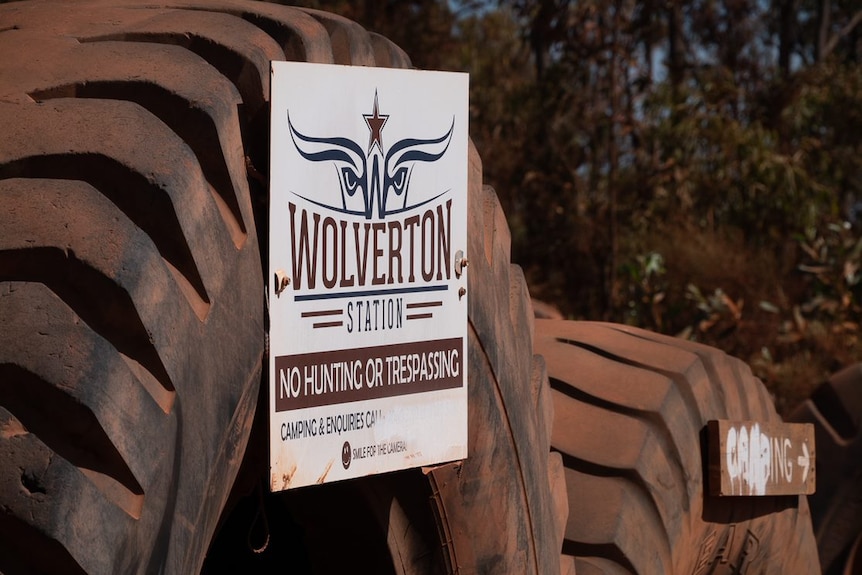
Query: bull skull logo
[{"x": 362, "y": 189}]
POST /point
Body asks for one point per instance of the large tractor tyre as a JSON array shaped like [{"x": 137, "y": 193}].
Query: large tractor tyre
[
  {"x": 131, "y": 291},
  {"x": 835, "y": 409},
  {"x": 133, "y": 174},
  {"x": 502, "y": 510},
  {"x": 631, "y": 409}
]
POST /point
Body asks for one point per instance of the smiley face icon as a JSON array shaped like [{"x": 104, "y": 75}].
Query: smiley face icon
[{"x": 345, "y": 454}]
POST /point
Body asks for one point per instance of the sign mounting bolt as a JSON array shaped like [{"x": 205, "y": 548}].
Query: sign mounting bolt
[
  {"x": 462, "y": 292},
  {"x": 461, "y": 262},
  {"x": 281, "y": 282}
]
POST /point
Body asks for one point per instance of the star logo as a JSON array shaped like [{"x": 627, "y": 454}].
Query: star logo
[{"x": 375, "y": 122}]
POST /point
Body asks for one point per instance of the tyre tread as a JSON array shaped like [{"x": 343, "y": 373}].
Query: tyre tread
[{"x": 609, "y": 377}]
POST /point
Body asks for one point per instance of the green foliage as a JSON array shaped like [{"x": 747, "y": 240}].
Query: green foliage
[
  {"x": 719, "y": 171},
  {"x": 645, "y": 279},
  {"x": 831, "y": 262}
]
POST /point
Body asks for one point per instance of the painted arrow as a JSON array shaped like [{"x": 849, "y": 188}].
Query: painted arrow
[{"x": 804, "y": 461}]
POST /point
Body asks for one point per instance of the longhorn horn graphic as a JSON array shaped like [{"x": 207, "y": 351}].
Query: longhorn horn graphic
[
  {"x": 399, "y": 164},
  {"x": 352, "y": 173}
]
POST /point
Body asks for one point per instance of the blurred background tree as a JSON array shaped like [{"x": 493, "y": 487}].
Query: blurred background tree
[{"x": 687, "y": 166}]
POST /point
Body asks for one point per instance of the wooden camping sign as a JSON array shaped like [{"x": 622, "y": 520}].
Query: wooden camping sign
[{"x": 756, "y": 458}]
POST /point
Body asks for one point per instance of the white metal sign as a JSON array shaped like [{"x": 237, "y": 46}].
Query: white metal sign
[{"x": 367, "y": 295}]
